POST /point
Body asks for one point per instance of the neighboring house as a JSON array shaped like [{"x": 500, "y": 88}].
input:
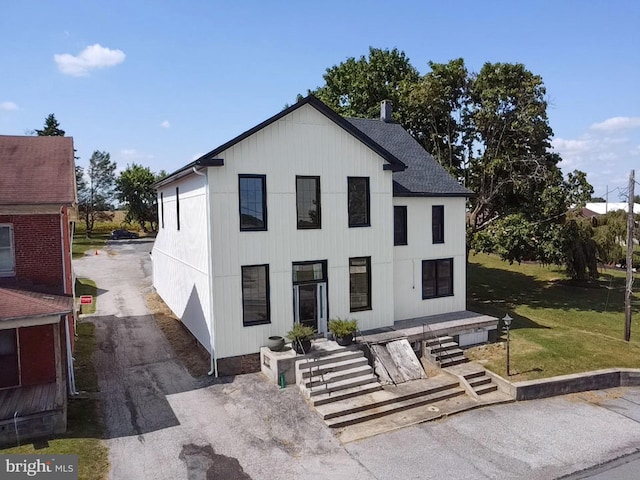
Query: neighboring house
[
  {"x": 37, "y": 206},
  {"x": 305, "y": 217},
  {"x": 596, "y": 209}
]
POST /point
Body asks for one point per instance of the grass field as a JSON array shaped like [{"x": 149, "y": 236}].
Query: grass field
[
  {"x": 559, "y": 326},
  {"x": 84, "y": 425}
]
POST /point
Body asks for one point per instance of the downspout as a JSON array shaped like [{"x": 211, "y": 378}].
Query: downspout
[
  {"x": 70, "y": 372},
  {"x": 214, "y": 361},
  {"x": 72, "y": 377}
]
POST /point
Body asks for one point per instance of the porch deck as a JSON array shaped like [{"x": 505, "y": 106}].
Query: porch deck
[
  {"x": 29, "y": 400},
  {"x": 422, "y": 328}
]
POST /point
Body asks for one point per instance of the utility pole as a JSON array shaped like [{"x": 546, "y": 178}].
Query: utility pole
[{"x": 629, "y": 283}]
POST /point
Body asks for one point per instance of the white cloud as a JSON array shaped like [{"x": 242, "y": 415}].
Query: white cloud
[
  {"x": 91, "y": 58},
  {"x": 617, "y": 123},
  {"x": 165, "y": 124},
  {"x": 197, "y": 156},
  {"x": 8, "y": 106},
  {"x": 606, "y": 151}
]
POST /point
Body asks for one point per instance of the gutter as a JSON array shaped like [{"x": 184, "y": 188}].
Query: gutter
[
  {"x": 70, "y": 372},
  {"x": 212, "y": 330}
]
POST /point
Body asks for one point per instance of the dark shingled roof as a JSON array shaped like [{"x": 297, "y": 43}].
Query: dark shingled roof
[
  {"x": 17, "y": 304},
  {"x": 37, "y": 170},
  {"x": 424, "y": 176}
]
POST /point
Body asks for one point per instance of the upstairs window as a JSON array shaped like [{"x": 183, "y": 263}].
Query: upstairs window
[
  {"x": 437, "y": 278},
  {"x": 399, "y": 225},
  {"x": 255, "y": 295},
  {"x": 253, "y": 202},
  {"x": 358, "y": 202},
  {"x": 7, "y": 254},
  {"x": 437, "y": 223},
  {"x": 308, "y": 202}
]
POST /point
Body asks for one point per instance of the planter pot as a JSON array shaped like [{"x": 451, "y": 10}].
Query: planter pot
[
  {"x": 306, "y": 346},
  {"x": 275, "y": 343},
  {"x": 345, "y": 341}
]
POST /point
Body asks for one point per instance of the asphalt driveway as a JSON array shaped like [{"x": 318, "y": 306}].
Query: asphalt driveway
[{"x": 163, "y": 424}]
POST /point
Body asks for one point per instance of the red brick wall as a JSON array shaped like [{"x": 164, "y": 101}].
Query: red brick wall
[
  {"x": 37, "y": 355},
  {"x": 38, "y": 250}
]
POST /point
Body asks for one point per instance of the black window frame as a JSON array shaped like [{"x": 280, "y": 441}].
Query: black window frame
[
  {"x": 438, "y": 265},
  {"x": 437, "y": 229},
  {"x": 318, "y": 224},
  {"x": 253, "y": 322},
  {"x": 161, "y": 210},
  {"x": 178, "y": 207},
  {"x": 368, "y": 266},
  {"x": 366, "y": 202},
  {"x": 263, "y": 179},
  {"x": 400, "y": 236}
]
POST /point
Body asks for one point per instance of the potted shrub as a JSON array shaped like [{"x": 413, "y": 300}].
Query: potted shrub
[
  {"x": 343, "y": 330},
  {"x": 300, "y": 336}
]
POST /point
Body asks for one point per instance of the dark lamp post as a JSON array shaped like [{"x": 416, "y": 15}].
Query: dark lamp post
[{"x": 507, "y": 323}]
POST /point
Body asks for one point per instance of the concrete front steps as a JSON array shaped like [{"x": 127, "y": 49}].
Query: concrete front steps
[
  {"x": 444, "y": 352},
  {"x": 336, "y": 375},
  {"x": 388, "y": 400}
]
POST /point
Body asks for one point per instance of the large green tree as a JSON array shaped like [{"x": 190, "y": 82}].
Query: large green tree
[
  {"x": 490, "y": 130},
  {"x": 356, "y": 87},
  {"x": 51, "y": 128},
  {"x": 100, "y": 188},
  {"x": 432, "y": 110},
  {"x": 134, "y": 187}
]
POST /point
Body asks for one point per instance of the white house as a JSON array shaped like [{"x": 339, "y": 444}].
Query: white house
[{"x": 306, "y": 217}]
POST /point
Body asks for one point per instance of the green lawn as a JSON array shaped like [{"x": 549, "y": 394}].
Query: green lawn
[
  {"x": 84, "y": 426},
  {"x": 81, "y": 243},
  {"x": 559, "y": 326}
]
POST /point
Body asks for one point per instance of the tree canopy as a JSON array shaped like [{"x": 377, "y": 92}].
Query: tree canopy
[
  {"x": 51, "y": 128},
  {"x": 98, "y": 194},
  {"x": 134, "y": 187},
  {"x": 491, "y": 131}
]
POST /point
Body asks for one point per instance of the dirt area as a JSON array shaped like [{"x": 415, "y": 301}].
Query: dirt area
[
  {"x": 190, "y": 353},
  {"x": 597, "y": 397}
]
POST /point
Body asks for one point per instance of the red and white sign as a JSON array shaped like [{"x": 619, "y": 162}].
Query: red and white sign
[{"x": 86, "y": 299}]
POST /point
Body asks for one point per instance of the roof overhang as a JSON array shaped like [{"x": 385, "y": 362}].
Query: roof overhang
[
  {"x": 31, "y": 321},
  {"x": 201, "y": 162},
  {"x": 393, "y": 163},
  {"x": 31, "y": 209}
]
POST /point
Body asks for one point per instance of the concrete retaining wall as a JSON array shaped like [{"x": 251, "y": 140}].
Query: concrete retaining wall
[{"x": 564, "y": 384}]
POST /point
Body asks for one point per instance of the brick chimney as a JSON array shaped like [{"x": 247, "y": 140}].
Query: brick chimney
[{"x": 385, "y": 111}]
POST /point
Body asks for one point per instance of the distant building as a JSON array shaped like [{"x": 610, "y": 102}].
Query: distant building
[
  {"x": 596, "y": 209},
  {"x": 37, "y": 205}
]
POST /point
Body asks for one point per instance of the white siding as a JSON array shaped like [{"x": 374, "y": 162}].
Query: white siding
[
  {"x": 302, "y": 143},
  {"x": 180, "y": 272},
  {"x": 407, "y": 259}
]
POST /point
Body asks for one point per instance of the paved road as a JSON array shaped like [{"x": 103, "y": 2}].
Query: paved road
[{"x": 163, "y": 424}]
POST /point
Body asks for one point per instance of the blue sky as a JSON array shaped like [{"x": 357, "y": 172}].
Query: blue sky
[{"x": 161, "y": 82}]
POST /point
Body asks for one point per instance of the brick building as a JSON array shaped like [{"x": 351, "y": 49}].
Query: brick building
[{"x": 37, "y": 208}]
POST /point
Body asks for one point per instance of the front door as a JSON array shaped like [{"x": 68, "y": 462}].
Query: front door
[{"x": 310, "y": 294}]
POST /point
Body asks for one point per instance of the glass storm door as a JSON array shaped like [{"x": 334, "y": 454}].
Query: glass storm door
[
  {"x": 310, "y": 295},
  {"x": 310, "y": 302}
]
